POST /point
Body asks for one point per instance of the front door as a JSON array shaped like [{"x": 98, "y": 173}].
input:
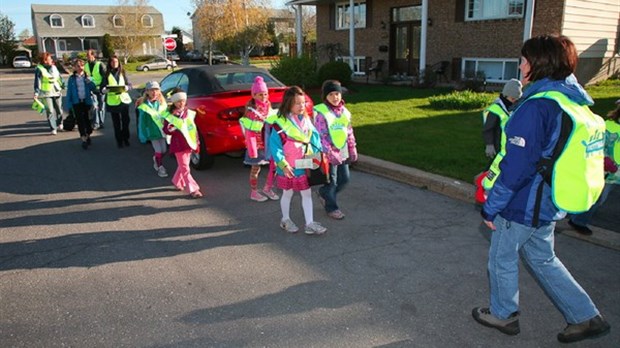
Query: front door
[{"x": 405, "y": 41}]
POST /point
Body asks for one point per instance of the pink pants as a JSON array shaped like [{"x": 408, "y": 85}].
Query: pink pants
[{"x": 182, "y": 178}]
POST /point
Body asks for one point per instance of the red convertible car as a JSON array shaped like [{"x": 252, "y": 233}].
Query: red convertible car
[{"x": 218, "y": 94}]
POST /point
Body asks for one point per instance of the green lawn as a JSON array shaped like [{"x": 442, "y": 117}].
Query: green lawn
[{"x": 396, "y": 124}]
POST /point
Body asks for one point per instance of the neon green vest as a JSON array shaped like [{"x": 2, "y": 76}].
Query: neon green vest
[
  {"x": 337, "y": 126},
  {"x": 255, "y": 125},
  {"x": 113, "y": 98},
  {"x": 489, "y": 180},
  {"x": 49, "y": 82},
  {"x": 292, "y": 131},
  {"x": 613, "y": 133},
  {"x": 186, "y": 126},
  {"x": 156, "y": 115},
  {"x": 96, "y": 76}
]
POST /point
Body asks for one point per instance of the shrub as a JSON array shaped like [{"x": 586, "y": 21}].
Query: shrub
[
  {"x": 335, "y": 71},
  {"x": 463, "y": 100},
  {"x": 300, "y": 71}
]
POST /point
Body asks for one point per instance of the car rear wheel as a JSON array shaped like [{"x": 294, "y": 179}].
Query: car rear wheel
[
  {"x": 146, "y": 68},
  {"x": 168, "y": 67},
  {"x": 201, "y": 160}
]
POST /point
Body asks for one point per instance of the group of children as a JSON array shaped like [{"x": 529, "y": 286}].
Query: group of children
[{"x": 288, "y": 140}]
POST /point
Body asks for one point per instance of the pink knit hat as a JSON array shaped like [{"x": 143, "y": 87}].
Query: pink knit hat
[{"x": 259, "y": 85}]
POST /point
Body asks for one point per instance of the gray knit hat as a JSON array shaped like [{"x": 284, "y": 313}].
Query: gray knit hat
[{"x": 513, "y": 88}]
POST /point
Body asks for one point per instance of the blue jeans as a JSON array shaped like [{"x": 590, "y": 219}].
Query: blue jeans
[
  {"x": 584, "y": 219},
  {"x": 98, "y": 110},
  {"x": 536, "y": 248},
  {"x": 338, "y": 178}
]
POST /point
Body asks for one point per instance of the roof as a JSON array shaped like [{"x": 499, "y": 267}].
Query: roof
[{"x": 82, "y": 9}]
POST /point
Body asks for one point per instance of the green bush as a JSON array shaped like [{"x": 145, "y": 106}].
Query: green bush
[
  {"x": 461, "y": 100},
  {"x": 335, "y": 71},
  {"x": 300, "y": 71}
]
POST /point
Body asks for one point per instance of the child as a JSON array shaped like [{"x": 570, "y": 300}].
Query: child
[
  {"x": 253, "y": 122},
  {"x": 79, "y": 100},
  {"x": 333, "y": 122},
  {"x": 179, "y": 124},
  {"x": 494, "y": 117},
  {"x": 151, "y": 121},
  {"x": 294, "y": 136}
]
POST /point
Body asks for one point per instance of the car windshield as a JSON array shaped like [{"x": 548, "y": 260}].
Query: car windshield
[{"x": 241, "y": 80}]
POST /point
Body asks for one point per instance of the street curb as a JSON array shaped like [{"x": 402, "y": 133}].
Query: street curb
[{"x": 465, "y": 192}]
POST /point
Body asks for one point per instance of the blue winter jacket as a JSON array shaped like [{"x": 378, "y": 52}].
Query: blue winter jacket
[
  {"x": 531, "y": 133},
  {"x": 72, "y": 92}
]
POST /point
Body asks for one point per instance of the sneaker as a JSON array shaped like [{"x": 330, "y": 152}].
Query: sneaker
[
  {"x": 126, "y": 142},
  {"x": 508, "y": 326},
  {"x": 61, "y": 127},
  {"x": 257, "y": 197},
  {"x": 155, "y": 165},
  {"x": 271, "y": 195},
  {"x": 580, "y": 229},
  {"x": 315, "y": 228},
  {"x": 161, "y": 171},
  {"x": 196, "y": 194},
  {"x": 336, "y": 214},
  {"x": 321, "y": 199},
  {"x": 54, "y": 132},
  {"x": 88, "y": 141},
  {"x": 289, "y": 226},
  {"x": 84, "y": 145},
  {"x": 593, "y": 328}
]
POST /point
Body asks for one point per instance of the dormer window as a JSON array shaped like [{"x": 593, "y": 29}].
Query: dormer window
[
  {"x": 88, "y": 21},
  {"x": 147, "y": 21},
  {"x": 118, "y": 21},
  {"x": 56, "y": 21}
]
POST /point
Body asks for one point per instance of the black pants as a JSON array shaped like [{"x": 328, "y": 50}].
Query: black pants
[
  {"x": 81, "y": 112},
  {"x": 120, "y": 119}
]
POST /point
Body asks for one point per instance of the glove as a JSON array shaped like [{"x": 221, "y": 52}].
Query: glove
[{"x": 490, "y": 151}]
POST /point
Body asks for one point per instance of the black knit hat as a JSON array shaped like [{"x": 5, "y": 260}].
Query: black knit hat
[{"x": 331, "y": 86}]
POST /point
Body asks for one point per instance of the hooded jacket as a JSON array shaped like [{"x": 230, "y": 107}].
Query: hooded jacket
[{"x": 532, "y": 133}]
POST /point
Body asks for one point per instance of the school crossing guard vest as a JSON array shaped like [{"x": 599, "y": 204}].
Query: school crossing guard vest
[
  {"x": 495, "y": 108},
  {"x": 156, "y": 115},
  {"x": 49, "y": 82},
  {"x": 575, "y": 172},
  {"x": 95, "y": 75},
  {"x": 186, "y": 126},
  {"x": 337, "y": 126},
  {"x": 113, "y": 98}
]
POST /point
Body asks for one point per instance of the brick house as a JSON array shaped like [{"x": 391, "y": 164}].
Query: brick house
[
  {"x": 68, "y": 29},
  {"x": 467, "y": 35}
]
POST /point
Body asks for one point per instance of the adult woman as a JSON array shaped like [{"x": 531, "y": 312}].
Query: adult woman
[
  {"x": 48, "y": 85},
  {"x": 116, "y": 85},
  {"x": 521, "y": 207}
]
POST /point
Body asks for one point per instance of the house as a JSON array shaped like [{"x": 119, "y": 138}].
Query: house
[
  {"x": 69, "y": 29},
  {"x": 461, "y": 37}
]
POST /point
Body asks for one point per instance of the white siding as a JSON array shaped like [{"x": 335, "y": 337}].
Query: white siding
[{"x": 593, "y": 26}]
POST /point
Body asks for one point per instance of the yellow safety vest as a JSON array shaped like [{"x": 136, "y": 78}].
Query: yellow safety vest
[
  {"x": 337, "y": 126},
  {"x": 489, "y": 180},
  {"x": 156, "y": 115},
  {"x": 187, "y": 126},
  {"x": 254, "y": 125},
  {"x": 613, "y": 132},
  {"x": 95, "y": 74},
  {"x": 114, "y": 98},
  {"x": 49, "y": 82}
]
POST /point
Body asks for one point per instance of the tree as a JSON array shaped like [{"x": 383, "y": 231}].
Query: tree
[
  {"x": 130, "y": 37},
  {"x": 107, "y": 48},
  {"x": 179, "y": 40},
  {"x": 7, "y": 38},
  {"x": 245, "y": 22},
  {"x": 24, "y": 34}
]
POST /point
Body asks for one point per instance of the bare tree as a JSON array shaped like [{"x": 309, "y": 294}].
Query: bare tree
[
  {"x": 210, "y": 17},
  {"x": 134, "y": 29}
]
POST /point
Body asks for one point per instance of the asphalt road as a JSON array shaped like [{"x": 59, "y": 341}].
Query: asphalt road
[{"x": 97, "y": 251}]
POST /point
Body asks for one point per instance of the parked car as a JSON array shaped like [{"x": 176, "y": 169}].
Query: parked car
[
  {"x": 217, "y": 57},
  {"x": 193, "y": 56},
  {"x": 21, "y": 62},
  {"x": 218, "y": 94},
  {"x": 172, "y": 56},
  {"x": 157, "y": 63}
]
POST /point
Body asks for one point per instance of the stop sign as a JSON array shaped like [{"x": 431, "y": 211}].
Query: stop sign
[{"x": 170, "y": 44}]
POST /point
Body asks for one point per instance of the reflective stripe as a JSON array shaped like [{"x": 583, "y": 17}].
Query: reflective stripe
[{"x": 493, "y": 173}]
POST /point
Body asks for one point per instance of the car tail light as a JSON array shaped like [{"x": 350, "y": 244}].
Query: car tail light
[{"x": 231, "y": 114}]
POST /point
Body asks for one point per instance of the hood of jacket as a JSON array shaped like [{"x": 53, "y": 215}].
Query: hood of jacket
[{"x": 569, "y": 87}]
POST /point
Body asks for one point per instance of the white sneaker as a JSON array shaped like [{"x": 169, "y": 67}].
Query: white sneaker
[
  {"x": 289, "y": 226},
  {"x": 53, "y": 132},
  {"x": 161, "y": 171},
  {"x": 315, "y": 228},
  {"x": 155, "y": 165},
  {"x": 60, "y": 126}
]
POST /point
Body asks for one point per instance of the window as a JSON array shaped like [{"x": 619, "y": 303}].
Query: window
[
  {"x": 407, "y": 14},
  {"x": 493, "y": 9},
  {"x": 56, "y": 21},
  {"x": 343, "y": 11},
  {"x": 61, "y": 45},
  {"x": 91, "y": 44},
  {"x": 147, "y": 21},
  {"x": 358, "y": 64},
  {"x": 88, "y": 21},
  {"x": 494, "y": 69},
  {"x": 118, "y": 21}
]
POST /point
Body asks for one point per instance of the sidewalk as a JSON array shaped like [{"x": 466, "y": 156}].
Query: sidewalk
[{"x": 465, "y": 192}]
